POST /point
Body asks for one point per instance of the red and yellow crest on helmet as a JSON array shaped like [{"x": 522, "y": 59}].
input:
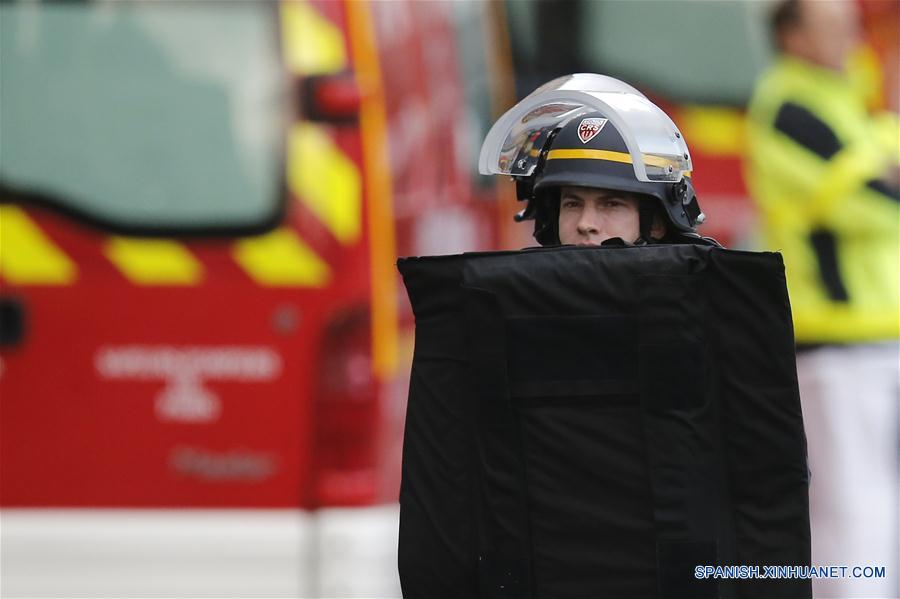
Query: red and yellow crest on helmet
[{"x": 589, "y": 128}]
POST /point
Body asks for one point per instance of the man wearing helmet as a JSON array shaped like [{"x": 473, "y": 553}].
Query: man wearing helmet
[
  {"x": 597, "y": 422},
  {"x": 587, "y": 191},
  {"x": 587, "y": 196},
  {"x": 595, "y": 160}
]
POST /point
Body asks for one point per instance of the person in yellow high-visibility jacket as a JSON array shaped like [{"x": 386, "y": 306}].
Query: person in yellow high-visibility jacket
[{"x": 825, "y": 174}]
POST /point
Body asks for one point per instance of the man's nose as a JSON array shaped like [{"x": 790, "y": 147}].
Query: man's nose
[{"x": 588, "y": 224}]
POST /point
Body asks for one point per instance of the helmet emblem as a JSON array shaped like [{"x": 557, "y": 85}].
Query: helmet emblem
[{"x": 589, "y": 128}]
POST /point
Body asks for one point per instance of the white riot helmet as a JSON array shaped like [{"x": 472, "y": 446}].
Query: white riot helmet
[{"x": 592, "y": 131}]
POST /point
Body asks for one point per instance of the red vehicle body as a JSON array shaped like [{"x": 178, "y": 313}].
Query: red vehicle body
[
  {"x": 148, "y": 371},
  {"x": 216, "y": 406}
]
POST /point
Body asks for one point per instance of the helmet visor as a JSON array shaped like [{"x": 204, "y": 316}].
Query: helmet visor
[{"x": 658, "y": 152}]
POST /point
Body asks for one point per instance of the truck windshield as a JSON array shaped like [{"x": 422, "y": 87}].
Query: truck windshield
[
  {"x": 703, "y": 52},
  {"x": 156, "y": 115}
]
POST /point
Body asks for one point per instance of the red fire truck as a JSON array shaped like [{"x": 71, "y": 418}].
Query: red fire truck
[
  {"x": 204, "y": 349},
  {"x": 203, "y": 341}
]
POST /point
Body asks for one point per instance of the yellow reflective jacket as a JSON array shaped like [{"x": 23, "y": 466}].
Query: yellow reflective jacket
[{"x": 815, "y": 166}]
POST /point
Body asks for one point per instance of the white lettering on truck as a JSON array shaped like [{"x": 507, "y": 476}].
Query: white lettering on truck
[{"x": 184, "y": 370}]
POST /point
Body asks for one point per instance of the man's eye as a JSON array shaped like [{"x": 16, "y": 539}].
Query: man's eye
[
  {"x": 613, "y": 203},
  {"x": 570, "y": 204}
]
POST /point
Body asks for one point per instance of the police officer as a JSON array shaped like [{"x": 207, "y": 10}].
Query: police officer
[
  {"x": 596, "y": 160},
  {"x": 559, "y": 445},
  {"x": 498, "y": 334}
]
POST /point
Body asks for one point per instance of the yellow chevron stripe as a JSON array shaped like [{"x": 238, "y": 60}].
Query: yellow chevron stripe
[
  {"x": 713, "y": 130},
  {"x": 280, "y": 258},
  {"x": 27, "y": 256},
  {"x": 312, "y": 44},
  {"x": 326, "y": 180},
  {"x": 153, "y": 261}
]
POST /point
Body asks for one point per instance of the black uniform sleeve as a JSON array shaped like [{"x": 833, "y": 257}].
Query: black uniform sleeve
[{"x": 807, "y": 129}]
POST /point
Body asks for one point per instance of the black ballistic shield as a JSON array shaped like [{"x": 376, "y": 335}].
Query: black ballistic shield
[{"x": 598, "y": 422}]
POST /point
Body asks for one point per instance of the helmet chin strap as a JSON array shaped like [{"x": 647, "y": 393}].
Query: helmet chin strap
[
  {"x": 645, "y": 222},
  {"x": 546, "y": 219}
]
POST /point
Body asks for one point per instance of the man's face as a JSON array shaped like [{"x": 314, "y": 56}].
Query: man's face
[
  {"x": 826, "y": 34},
  {"x": 590, "y": 216}
]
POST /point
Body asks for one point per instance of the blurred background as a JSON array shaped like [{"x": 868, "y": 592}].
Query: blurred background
[{"x": 204, "y": 343}]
